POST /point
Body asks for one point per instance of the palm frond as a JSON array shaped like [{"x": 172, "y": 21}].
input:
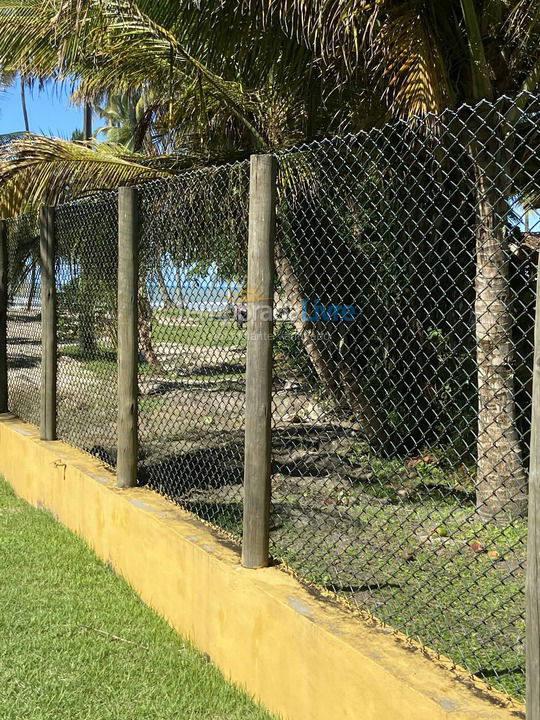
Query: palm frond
[
  {"x": 39, "y": 170},
  {"x": 330, "y": 28},
  {"x": 405, "y": 55},
  {"x": 8, "y": 138},
  {"x": 111, "y": 47},
  {"x": 524, "y": 20}
]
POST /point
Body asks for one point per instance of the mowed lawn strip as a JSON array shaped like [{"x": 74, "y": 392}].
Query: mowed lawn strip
[{"x": 76, "y": 642}]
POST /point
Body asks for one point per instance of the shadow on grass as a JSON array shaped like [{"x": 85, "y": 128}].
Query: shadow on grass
[
  {"x": 208, "y": 468},
  {"x": 370, "y": 588},
  {"x": 99, "y": 354},
  {"x": 223, "y": 369},
  {"x": 228, "y": 516},
  {"x": 495, "y": 673},
  {"x": 26, "y": 318},
  {"x": 23, "y": 362},
  {"x": 23, "y": 341}
]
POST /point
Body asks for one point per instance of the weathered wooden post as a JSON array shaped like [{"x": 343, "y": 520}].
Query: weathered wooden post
[
  {"x": 128, "y": 276},
  {"x": 260, "y": 292},
  {"x": 3, "y": 317},
  {"x": 48, "y": 323},
  {"x": 533, "y": 538}
]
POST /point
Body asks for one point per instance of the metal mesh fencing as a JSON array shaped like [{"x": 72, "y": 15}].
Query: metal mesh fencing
[
  {"x": 86, "y": 280},
  {"x": 24, "y": 317},
  {"x": 192, "y": 340},
  {"x": 406, "y": 262},
  {"x": 406, "y": 265}
]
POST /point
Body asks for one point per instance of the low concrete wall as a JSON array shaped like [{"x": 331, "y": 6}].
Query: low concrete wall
[{"x": 301, "y": 657}]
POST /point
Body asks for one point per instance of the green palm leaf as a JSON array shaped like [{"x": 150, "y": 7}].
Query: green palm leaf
[{"x": 35, "y": 169}]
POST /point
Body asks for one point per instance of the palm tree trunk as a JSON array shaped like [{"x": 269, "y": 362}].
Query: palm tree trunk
[
  {"x": 145, "y": 330},
  {"x": 24, "y": 107},
  {"x": 179, "y": 295},
  {"x": 306, "y": 331},
  {"x": 87, "y": 323},
  {"x": 32, "y": 292},
  {"x": 87, "y": 329},
  {"x": 168, "y": 303},
  {"x": 501, "y": 487},
  {"x": 87, "y": 129},
  {"x": 337, "y": 376},
  {"x": 87, "y": 315}
]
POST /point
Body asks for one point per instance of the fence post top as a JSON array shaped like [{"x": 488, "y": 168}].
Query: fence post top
[
  {"x": 263, "y": 159},
  {"x": 128, "y": 190}
]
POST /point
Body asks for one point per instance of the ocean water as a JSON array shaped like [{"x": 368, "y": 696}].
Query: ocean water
[{"x": 207, "y": 292}]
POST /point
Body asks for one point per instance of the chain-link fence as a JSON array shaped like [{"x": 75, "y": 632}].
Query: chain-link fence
[
  {"x": 24, "y": 317},
  {"x": 86, "y": 282},
  {"x": 406, "y": 264},
  {"x": 404, "y": 314},
  {"x": 192, "y": 340}
]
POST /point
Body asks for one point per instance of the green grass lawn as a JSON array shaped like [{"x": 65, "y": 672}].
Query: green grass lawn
[
  {"x": 76, "y": 642},
  {"x": 210, "y": 332}
]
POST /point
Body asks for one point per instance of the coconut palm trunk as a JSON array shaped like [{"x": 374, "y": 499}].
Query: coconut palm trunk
[
  {"x": 145, "y": 330},
  {"x": 166, "y": 298},
  {"x": 33, "y": 285},
  {"x": 306, "y": 331},
  {"x": 87, "y": 315},
  {"x": 24, "y": 105},
  {"x": 501, "y": 487},
  {"x": 333, "y": 370},
  {"x": 179, "y": 293},
  {"x": 87, "y": 319}
]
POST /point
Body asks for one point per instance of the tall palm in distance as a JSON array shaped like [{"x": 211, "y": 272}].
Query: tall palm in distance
[
  {"x": 7, "y": 80},
  {"x": 24, "y": 105}
]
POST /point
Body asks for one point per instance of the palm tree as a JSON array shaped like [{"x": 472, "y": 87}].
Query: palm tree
[
  {"x": 299, "y": 72},
  {"x": 23, "y": 105},
  {"x": 501, "y": 479},
  {"x": 7, "y": 79},
  {"x": 430, "y": 55}
]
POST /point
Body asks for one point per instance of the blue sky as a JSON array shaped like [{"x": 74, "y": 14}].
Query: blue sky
[{"x": 49, "y": 111}]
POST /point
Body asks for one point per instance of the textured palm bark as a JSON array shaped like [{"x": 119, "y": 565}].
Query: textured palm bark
[
  {"x": 87, "y": 320},
  {"x": 501, "y": 486},
  {"x": 33, "y": 287},
  {"x": 166, "y": 298},
  {"x": 337, "y": 376},
  {"x": 145, "y": 330},
  {"x": 306, "y": 331},
  {"x": 179, "y": 294}
]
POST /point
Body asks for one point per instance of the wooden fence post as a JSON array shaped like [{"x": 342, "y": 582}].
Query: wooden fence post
[
  {"x": 128, "y": 277},
  {"x": 48, "y": 323},
  {"x": 533, "y": 537},
  {"x": 260, "y": 292},
  {"x": 3, "y": 317}
]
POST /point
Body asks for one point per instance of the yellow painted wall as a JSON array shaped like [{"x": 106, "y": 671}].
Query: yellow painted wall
[{"x": 303, "y": 658}]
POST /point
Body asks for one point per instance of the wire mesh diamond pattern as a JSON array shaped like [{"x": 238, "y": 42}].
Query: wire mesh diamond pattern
[
  {"x": 406, "y": 269},
  {"x": 192, "y": 340},
  {"x": 24, "y": 317},
  {"x": 406, "y": 264},
  {"x": 86, "y": 279}
]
